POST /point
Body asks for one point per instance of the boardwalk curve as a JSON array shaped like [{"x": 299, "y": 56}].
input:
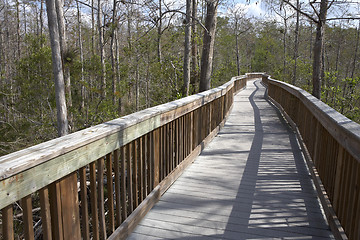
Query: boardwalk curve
[{"x": 251, "y": 182}]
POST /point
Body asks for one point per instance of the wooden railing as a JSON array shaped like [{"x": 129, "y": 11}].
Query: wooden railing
[
  {"x": 99, "y": 182},
  {"x": 331, "y": 145}
]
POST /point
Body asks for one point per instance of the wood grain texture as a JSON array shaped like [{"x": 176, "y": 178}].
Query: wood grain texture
[
  {"x": 84, "y": 205},
  {"x": 45, "y": 213},
  {"x": 94, "y": 202},
  {"x": 117, "y": 177},
  {"x": 110, "y": 191},
  {"x": 7, "y": 223},
  {"x": 27, "y": 217},
  {"x": 100, "y": 193}
]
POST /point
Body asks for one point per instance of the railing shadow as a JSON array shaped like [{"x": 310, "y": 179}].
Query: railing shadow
[{"x": 280, "y": 199}]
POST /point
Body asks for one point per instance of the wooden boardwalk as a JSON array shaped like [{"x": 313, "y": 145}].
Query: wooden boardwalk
[{"x": 250, "y": 182}]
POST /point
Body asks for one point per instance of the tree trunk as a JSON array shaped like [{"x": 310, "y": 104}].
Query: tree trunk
[
  {"x": 118, "y": 71},
  {"x": 318, "y": 50},
  {"x": 208, "y": 45},
  {"x": 112, "y": 46},
  {"x": 194, "y": 48},
  {"x": 18, "y": 29},
  {"x": 59, "y": 4},
  {"x": 159, "y": 33},
  {"x": 187, "y": 48},
  {"x": 102, "y": 52},
  {"x": 356, "y": 51},
  {"x": 62, "y": 121},
  {"x": 237, "y": 47},
  {"x": 296, "y": 44},
  {"x": 83, "y": 94}
]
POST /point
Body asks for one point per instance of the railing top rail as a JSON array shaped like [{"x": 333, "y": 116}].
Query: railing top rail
[
  {"x": 344, "y": 130},
  {"x": 150, "y": 118}
]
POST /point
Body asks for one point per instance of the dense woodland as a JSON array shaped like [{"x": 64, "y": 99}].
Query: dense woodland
[{"x": 123, "y": 56}]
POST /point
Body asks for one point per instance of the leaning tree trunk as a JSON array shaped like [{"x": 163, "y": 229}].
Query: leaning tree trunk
[
  {"x": 59, "y": 4},
  {"x": 62, "y": 121},
  {"x": 187, "y": 48},
  {"x": 208, "y": 45},
  {"x": 318, "y": 50}
]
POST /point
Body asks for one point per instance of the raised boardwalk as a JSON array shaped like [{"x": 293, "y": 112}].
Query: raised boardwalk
[{"x": 250, "y": 182}]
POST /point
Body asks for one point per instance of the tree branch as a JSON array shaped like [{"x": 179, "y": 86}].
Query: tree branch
[
  {"x": 178, "y": 11},
  {"x": 302, "y": 12}
]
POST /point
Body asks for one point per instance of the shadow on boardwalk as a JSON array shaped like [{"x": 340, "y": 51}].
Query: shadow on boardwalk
[{"x": 251, "y": 182}]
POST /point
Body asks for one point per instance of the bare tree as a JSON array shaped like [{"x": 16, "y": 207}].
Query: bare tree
[
  {"x": 187, "y": 47},
  {"x": 101, "y": 49},
  {"x": 62, "y": 121},
  {"x": 208, "y": 45},
  {"x": 320, "y": 21}
]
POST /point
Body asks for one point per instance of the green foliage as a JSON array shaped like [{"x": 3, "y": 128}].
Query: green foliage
[{"x": 343, "y": 95}]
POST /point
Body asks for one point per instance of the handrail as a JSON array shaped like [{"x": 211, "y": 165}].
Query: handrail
[
  {"x": 141, "y": 154},
  {"x": 331, "y": 144}
]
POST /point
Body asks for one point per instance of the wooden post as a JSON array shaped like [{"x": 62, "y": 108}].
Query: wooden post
[
  {"x": 64, "y": 207},
  {"x": 100, "y": 179},
  {"x": 156, "y": 155},
  {"x": 45, "y": 213},
  {"x": 84, "y": 205},
  {"x": 93, "y": 199},
  {"x": 8, "y": 223},
  {"x": 110, "y": 191},
  {"x": 123, "y": 183},
  {"x": 118, "y": 189}
]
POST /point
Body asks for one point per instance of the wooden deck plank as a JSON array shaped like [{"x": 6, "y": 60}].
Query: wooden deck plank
[{"x": 250, "y": 182}]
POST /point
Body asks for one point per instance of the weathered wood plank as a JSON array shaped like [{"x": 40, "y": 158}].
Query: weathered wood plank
[
  {"x": 7, "y": 223},
  {"x": 123, "y": 184},
  {"x": 56, "y": 211},
  {"x": 27, "y": 217},
  {"x": 110, "y": 191},
  {"x": 45, "y": 213},
  {"x": 118, "y": 189},
  {"x": 129, "y": 178},
  {"x": 70, "y": 207},
  {"x": 84, "y": 205},
  {"x": 94, "y": 202},
  {"x": 100, "y": 192}
]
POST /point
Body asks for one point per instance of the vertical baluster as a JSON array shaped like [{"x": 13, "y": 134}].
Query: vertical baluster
[
  {"x": 55, "y": 209},
  {"x": 161, "y": 153},
  {"x": 167, "y": 148},
  {"x": 93, "y": 199},
  {"x": 123, "y": 183},
  {"x": 117, "y": 187},
  {"x": 181, "y": 156},
  {"x": 27, "y": 217},
  {"x": 110, "y": 191},
  {"x": 156, "y": 155},
  {"x": 84, "y": 204},
  {"x": 171, "y": 147},
  {"x": 100, "y": 189},
  {"x": 7, "y": 223},
  {"x": 135, "y": 173},
  {"x": 144, "y": 171},
  {"x": 45, "y": 213},
  {"x": 191, "y": 132},
  {"x": 177, "y": 142},
  {"x": 354, "y": 208},
  {"x": 129, "y": 174},
  {"x": 141, "y": 168},
  {"x": 150, "y": 161}
]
